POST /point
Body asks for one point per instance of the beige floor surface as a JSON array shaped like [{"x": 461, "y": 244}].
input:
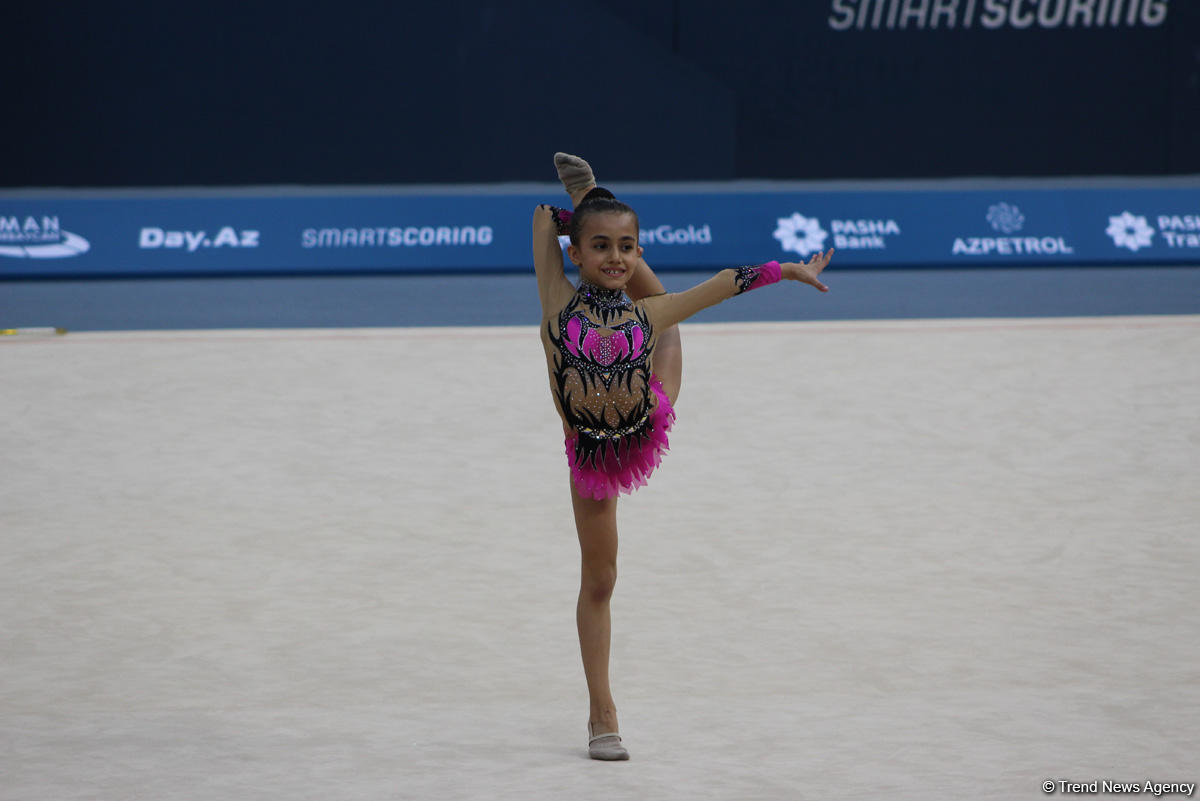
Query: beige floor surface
[{"x": 883, "y": 560}]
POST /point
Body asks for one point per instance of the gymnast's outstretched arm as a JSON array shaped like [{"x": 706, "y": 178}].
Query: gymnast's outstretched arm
[{"x": 673, "y": 308}]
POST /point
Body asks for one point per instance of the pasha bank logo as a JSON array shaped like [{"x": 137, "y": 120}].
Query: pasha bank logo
[
  {"x": 38, "y": 238},
  {"x": 805, "y": 236},
  {"x": 800, "y": 234}
]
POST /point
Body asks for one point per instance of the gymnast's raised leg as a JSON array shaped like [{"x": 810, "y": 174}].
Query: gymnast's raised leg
[{"x": 577, "y": 178}]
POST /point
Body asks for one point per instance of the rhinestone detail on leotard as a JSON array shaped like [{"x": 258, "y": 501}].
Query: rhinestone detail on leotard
[{"x": 601, "y": 370}]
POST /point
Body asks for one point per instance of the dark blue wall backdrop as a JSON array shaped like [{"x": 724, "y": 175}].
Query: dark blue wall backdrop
[{"x": 189, "y": 92}]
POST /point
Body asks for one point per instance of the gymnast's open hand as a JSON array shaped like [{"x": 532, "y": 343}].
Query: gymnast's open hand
[{"x": 808, "y": 271}]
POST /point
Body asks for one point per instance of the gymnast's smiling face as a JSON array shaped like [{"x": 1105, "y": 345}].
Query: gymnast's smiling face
[{"x": 608, "y": 252}]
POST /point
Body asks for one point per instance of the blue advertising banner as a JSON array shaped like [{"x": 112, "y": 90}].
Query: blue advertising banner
[{"x": 93, "y": 235}]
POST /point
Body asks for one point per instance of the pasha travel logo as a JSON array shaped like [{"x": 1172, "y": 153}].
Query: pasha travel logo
[
  {"x": 1130, "y": 231},
  {"x": 1134, "y": 231},
  {"x": 805, "y": 236},
  {"x": 1006, "y": 218},
  {"x": 38, "y": 238}
]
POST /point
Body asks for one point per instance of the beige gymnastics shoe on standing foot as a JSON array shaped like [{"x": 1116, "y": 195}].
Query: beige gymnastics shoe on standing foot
[{"x": 606, "y": 746}]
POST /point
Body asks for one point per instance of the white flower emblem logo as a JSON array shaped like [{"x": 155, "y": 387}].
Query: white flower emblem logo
[
  {"x": 1130, "y": 231},
  {"x": 801, "y": 234},
  {"x": 1005, "y": 218}
]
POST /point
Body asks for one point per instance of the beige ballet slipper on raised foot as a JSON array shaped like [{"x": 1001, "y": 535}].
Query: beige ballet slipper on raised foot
[
  {"x": 574, "y": 172},
  {"x": 606, "y": 746}
]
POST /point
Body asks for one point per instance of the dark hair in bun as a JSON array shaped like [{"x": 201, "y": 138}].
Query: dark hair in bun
[{"x": 598, "y": 201}]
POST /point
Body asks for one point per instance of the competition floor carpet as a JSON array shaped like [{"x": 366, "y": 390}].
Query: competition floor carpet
[{"x": 923, "y": 559}]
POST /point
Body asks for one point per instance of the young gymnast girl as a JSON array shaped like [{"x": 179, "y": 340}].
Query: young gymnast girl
[{"x": 613, "y": 352}]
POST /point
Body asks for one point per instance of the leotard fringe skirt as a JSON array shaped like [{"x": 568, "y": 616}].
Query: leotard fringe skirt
[{"x": 623, "y": 465}]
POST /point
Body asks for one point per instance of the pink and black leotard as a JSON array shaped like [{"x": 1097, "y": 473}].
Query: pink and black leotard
[
  {"x": 610, "y": 400},
  {"x": 600, "y": 353}
]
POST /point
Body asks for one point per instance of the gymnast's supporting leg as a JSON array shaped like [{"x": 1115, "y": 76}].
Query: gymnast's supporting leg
[{"x": 596, "y": 522}]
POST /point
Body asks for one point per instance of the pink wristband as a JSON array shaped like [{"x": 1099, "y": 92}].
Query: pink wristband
[
  {"x": 747, "y": 278},
  {"x": 769, "y": 273}
]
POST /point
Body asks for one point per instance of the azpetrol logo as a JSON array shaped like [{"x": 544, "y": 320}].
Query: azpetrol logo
[
  {"x": 1006, "y": 218},
  {"x": 38, "y": 238},
  {"x": 1133, "y": 231},
  {"x": 805, "y": 236}
]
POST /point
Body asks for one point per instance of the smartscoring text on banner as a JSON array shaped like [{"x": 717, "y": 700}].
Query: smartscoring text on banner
[{"x": 922, "y": 15}]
